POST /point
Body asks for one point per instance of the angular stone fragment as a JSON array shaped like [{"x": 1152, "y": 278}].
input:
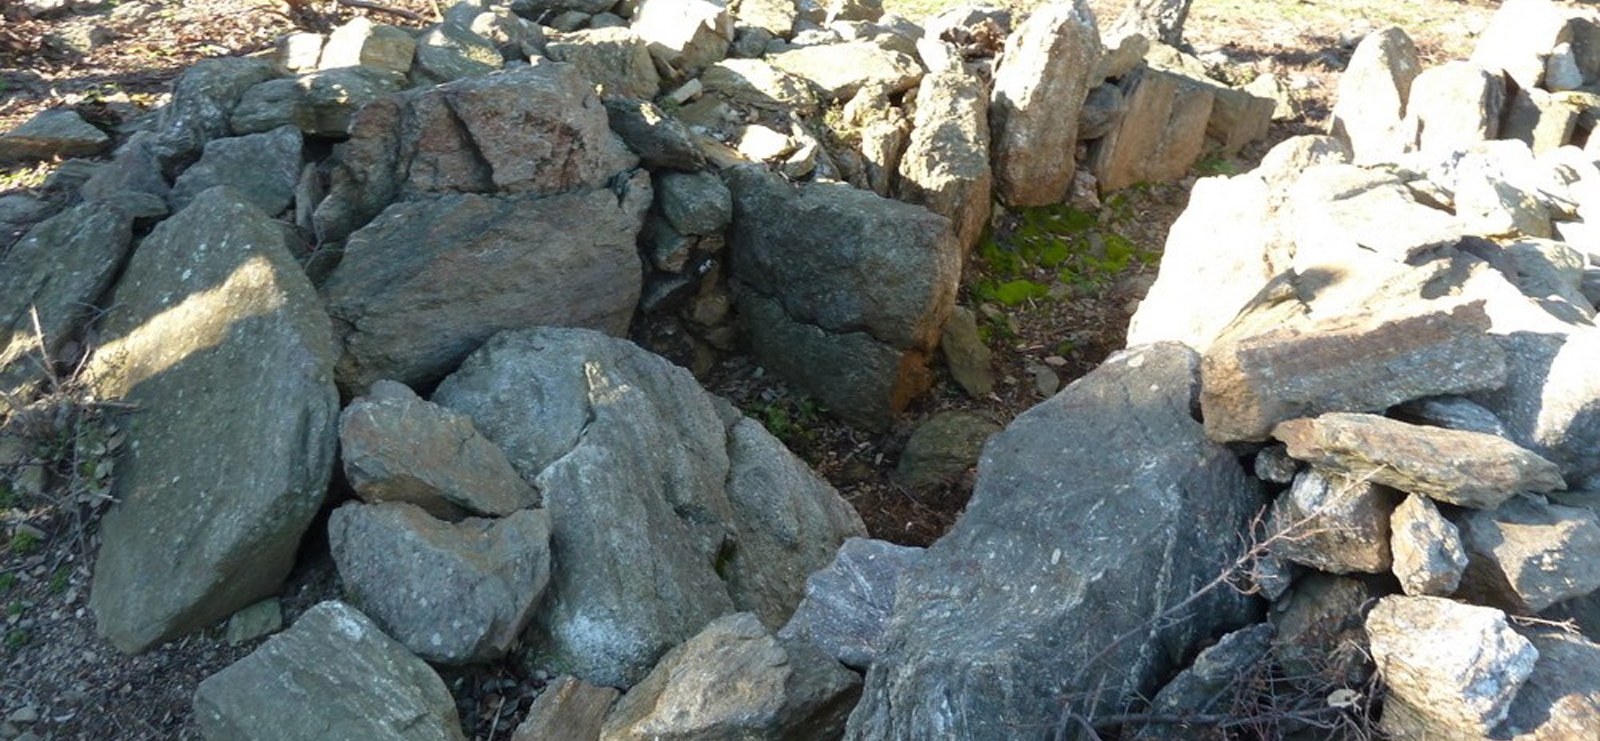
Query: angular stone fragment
[
  {"x": 1318, "y": 623},
  {"x": 685, "y": 34},
  {"x": 1237, "y": 118},
  {"x": 1334, "y": 524},
  {"x": 1452, "y": 107},
  {"x": 1458, "y": 665},
  {"x": 759, "y": 83},
  {"x": 734, "y": 680},
  {"x": 55, "y": 133},
  {"x": 453, "y": 593},
  {"x": 219, "y": 340},
  {"x": 1541, "y": 120},
  {"x": 318, "y": 103},
  {"x": 1371, "y": 101},
  {"x": 333, "y": 672},
  {"x": 1196, "y": 689},
  {"x": 616, "y": 59},
  {"x": 1428, "y": 555},
  {"x": 1529, "y": 554},
  {"x": 661, "y": 141},
  {"x": 427, "y": 282},
  {"x": 264, "y": 168},
  {"x": 839, "y": 70},
  {"x": 398, "y": 448},
  {"x": 1038, "y": 89},
  {"x": 695, "y": 204},
  {"x": 1453, "y": 413},
  {"x": 569, "y": 709},
  {"x": 1162, "y": 133},
  {"x": 1339, "y": 216},
  {"x": 202, "y": 101},
  {"x": 1463, "y": 468},
  {"x": 1010, "y": 606},
  {"x": 1519, "y": 38},
  {"x": 448, "y": 52},
  {"x": 847, "y": 605},
  {"x": 1254, "y": 380},
  {"x": 946, "y": 164},
  {"x": 965, "y": 354},
  {"x": 776, "y": 17},
  {"x": 361, "y": 43}
]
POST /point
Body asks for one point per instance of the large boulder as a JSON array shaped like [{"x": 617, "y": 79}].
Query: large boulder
[
  {"x": 638, "y": 465},
  {"x": 218, "y": 339},
  {"x": 334, "y": 675},
  {"x": 1520, "y": 39},
  {"x": 1040, "y": 85},
  {"x": 1370, "y": 106},
  {"x": 429, "y": 280},
  {"x": 1161, "y": 134},
  {"x": 946, "y": 164},
  {"x": 841, "y": 292},
  {"x": 537, "y": 130},
  {"x": 452, "y": 593},
  {"x": 734, "y": 680},
  {"x": 1007, "y": 614},
  {"x": 1452, "y": 107}
]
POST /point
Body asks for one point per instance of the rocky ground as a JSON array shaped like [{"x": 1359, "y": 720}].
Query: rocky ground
[{"x": 112, "y": 64}]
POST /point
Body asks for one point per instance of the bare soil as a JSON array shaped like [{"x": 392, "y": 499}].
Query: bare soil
[{"x": 60, "y": 681}]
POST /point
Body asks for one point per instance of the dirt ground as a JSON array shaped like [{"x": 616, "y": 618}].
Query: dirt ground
[{"x": 58, "y": 681}]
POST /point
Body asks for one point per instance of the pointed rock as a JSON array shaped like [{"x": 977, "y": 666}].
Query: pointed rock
[{"x": 1038, "y": 89}]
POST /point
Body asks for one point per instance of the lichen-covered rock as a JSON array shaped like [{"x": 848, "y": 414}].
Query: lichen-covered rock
[
  {"x": 203, "y": 99},
  {"x": 361, "y": 43},
  {"x": 319, "y": 103}
]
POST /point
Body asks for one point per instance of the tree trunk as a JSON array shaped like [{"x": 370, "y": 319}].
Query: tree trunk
[{"x": 1157, "y": 20}]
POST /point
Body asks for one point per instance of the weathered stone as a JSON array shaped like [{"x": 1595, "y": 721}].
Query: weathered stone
[
  {"x": 1162, "y": 133},
  {"x": 1480, "y": 471},
  {"x": 965, "y": 354},
  {"x": 55, "y": 276},
  {"x": 853, "y": 10},
  {"x": 1490, "y": 202},
  {"x": 695, "y": 204},
  {"x": 1343, "y": 215},
  {"x": 1274, "y": 465},
  {"x": 734, "y": 680},
  {"x": 885, "y": 132},
  {"x": 318, "y": 103},
  {"x": 847, "y": 292},
  {"x": 1370, "y": 105},
  {"x": 1319, "y": 637},
  {"x": 661, "y": 141},
  {"x": 1451, "y": 412},
  {"x": 428, "y": 281},
  {"x": 398, "y": 448},
  {"x": 449, "y": 52},
  {"x": 569, "y": 709},
  {"x": 1010, "y": 605},
  {"x": 1039, "y": 88},
  {"x": 1196, "y": 689},
  {"x": 776, "y": 17},
  {"x": 847, "y": 605},
  {"x": 1237, "y": 118},
  {"x": 1287, "y": 105},
  {"x": 946, "y": 163},
  {"x": 637, "y": 465},
  {"x": 1254, "y": 380},
  {"x": 1541, "y": 120},
  {"x": 202, "y": 102},
  {"x": 1101, "y": 112},
  {"x": 516, "y": 38},
  {"x": 260, "y": 619},
  {"x": 218, "y": 338},
  {"x": 1334, "y": 524},
  {"x": 132, "y": 169},
  {"x": 299, "y": 51},
  {"x": 1519, "y": 38},
  {"x": 362, "y": 43},
  {"x": 1458, "y": 665},
  {"x": 53, "y": 133},
  {"x": 616, "y": 59},
  {"x": 1529, "y": 554},
  {"x": 1428, "y": 556},
  {"x": 839, "y": 70},
  {"x": 365, "y": 685},
  {"x": 942, "y": 448},
  {"x": 453, "y": 593},
  {"x": 1452, "y": 107},
  {"x": 758, "y": 83},
  {"x": 263, "y": 168},
  {"x": 537, "y": 129},
  {"x": 688, "y": 35}
]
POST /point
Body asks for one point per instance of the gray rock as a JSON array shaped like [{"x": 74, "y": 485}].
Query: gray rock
[
  {"x": 452, "y": 593},
  {"x": 661, "y": 141},
  {"x": 398, "y": 448},
  {"x": 1539, "y": 119},
  {"x": 318, "y": 103},
  {"x": 1458, "y": 665},
  {"x": 847, "y": 292},
  {"x": 537, "y": 129},
  {"x": 1490, "y": 204},
  {"x": 263, "y": 168},
  {"x": 428, "y": 281},
  {"x": 202, "y": 102},
  {"x": 1428, "y": 556},
  {"x": 694, "y": 203},
  {"x": 1260, "y": 373},
  {"x": 569, "y": 709},
  {"x": 53, "y": 133},
  {"x": 1452, "y": 412},
  {"x": 365, "y": 686},
  {"x": 1481, "y": 472},
  {"x": 688, "y": 35},
  {"x": 839, "y": 70},
  {"x": 946, "y": 164},
  {"x": 1453, "y": 106},
  {"x": 1318, "y": 622},
  {"x": 1009, "y": 606},
  {"x": 1039, "y": 88},
  {"x": 1274, "y": 465},
  {"x": 134, "y": 168},
  {"x": 517, "y": 39},
  {"x": 361, "y": 43},
  {"x": 449, "y": 52},
  {"x": 965, "y": 354},
  {"x": 759, "y": 83},
  {"x": 1334, "y": 524},
  {"x": 1162, "y": 133},
  {"x": 776, "y": 17},
  {"x": 734, "y": 680},
  {"x": 616, "y": 59},
  {"x": 942, "y": 448},
  {"x": 669, "y": 251},
  {"x": 1370, "y": 104},
  {"x": 637, "y": 465},
  {"x": 1101, "y": 112},
  {"x": 750, "y": 43},
  {"x": 260, "y": 619},
  {"x": 219, "y": 339},
  {"x": 1215, "y": 671},
  {"x": 1529, "y": 554},
  {"x": 55, "y": 276},
  {"x": 1519, "y": 38},
  {"x": 847, "y": 605}
]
